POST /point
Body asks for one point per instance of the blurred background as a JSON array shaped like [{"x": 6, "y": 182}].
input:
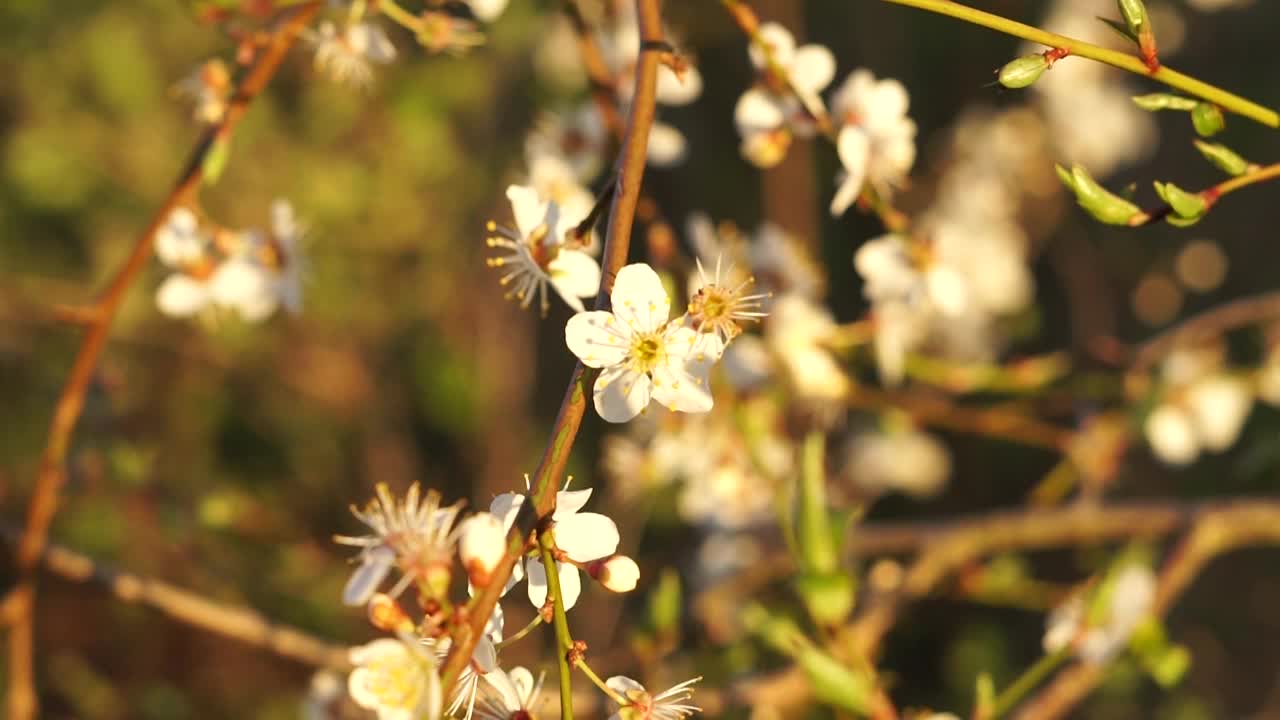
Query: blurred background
[{"x": 222, "y": 457}]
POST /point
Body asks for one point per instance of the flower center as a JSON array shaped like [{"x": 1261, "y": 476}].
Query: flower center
[
  {"x": 647, "y": 351},
  {"x": 395, "y": 681}
]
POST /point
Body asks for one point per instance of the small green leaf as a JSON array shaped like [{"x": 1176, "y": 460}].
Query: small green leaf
[
  {"x": 1164, "y": 101},
  {"x": 1223, "y": 157},
  {"x": 215, "y": 160}
]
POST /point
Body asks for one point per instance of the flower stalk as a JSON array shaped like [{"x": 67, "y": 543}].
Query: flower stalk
[
  {"x": 564, "y": 641},
  {"x": 1125, "y": 61}
]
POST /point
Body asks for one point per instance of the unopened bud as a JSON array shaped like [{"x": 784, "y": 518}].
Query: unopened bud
[
  {"x": 1208, "y": 119},
  {"x": 1164, "y": 101},
  {"x": 1102, "y": 204},
  {"x": 1188, "y": 207},
  {"x": 481, "y": 545},
  {"x": 618, "y": 573},
  {"x": 1023, "y": 71},
  {"x": 1135, "y": 15},
  {"x": 1139, "y": 25},
  {"x": 1224, "y": 158},
  {"x": 386, "y": 614}
]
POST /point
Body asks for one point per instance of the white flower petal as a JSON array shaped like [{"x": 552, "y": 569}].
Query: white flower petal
[
  {"x": 575, "y": 274},
  {"x": 758, "y": 109},
  {"x": 674, "y": 90},
  {"x": 569, "y": 502},
  {"x": 854, "y": 148},
  {"x": 181, "y": 296},
  {"x": 1171, "y": 433},
  {"x": 781, "y": 43},
  {"x": 364, "y": 582},
  {"x": 667, "y": 146},
  {"x": 683, "y": 382},
  {"x": 639, "y": 299},
  {"x": 597, "y": 338},
  {"x": 488, "y": 10},
  {"x": 506, "y": 506},
  {"x": 620, "y": 394},
  {"x": 527, "y": 207},
  {"x": 587, "y": 536},
  {"x": 813, "y": 68},
  {"x": 570, "y": 584}
]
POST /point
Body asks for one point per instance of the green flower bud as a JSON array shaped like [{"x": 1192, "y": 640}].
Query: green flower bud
[
  {"x": 1223, "y": 157},
  {"x": 1023, "y": 71},
  {"x": 1164, "y": 101},
  {"x": 1188, "y": 207},
  {"x": 1208, "y": 119},
  {"x": 833, "y": 682},
  {"x": 1099, "y": 202}
]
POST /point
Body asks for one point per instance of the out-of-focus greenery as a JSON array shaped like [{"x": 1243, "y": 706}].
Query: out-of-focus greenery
[{"x": 222, "y": 458}]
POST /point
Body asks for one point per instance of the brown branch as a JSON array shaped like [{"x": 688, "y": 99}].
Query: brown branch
[
  {"x": 1216, "y": 532},
  {"x": 23, "y": 702},
  {"x": 241, "y": 624},
  {"x": 1206, "y": 326},
  {"x": 947, "y": 548},
  {"x": 938, "y": 412},
  {"x": 630, "y": 174}
]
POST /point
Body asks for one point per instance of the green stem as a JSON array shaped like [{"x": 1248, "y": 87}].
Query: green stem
[
  {"x": 1027, "y": 682},
  {"x": 535, "y": 622},
  {"x": 564, "y": 641},
  {"x": 1122, "y": 60},
  {"x": 817, "y": 547},
  {"x": 1253, "y": 177},
  {"x": 593, "y": 677}
]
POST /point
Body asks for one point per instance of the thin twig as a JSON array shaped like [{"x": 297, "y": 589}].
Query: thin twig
[
  {"x": 1206, "y": 326},
  {"x": 630, "y": 174},
  {"x": 946, "y": 548},
  {"x": 939, "y": 412},
  {"x": 1213, "y": 194},
  {"x": 241, "y": 624},
  {"x": 23, "y": 702},
  {"x": 1114, "y": 58},
  {"x": 1215, "y": 533}
]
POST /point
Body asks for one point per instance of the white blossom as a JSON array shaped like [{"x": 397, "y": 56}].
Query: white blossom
[
  {"x": 671, "y": 704},
  {"x": 1097, "y": 638},
  {"x": 348, "y": 55},
  {"x": 415, "y": 534},
  {"x": 397, "y": 679},
  {"x": 643, "y": 354},
  {"x": 876, "y": 141},
  {"x": 582, "y": 536},
  {"x": 768, "y": 115},
  {"x": 540, "y": 253}
]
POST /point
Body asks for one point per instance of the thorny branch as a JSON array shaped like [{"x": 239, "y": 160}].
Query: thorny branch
[{"x": 19, "y": 605}]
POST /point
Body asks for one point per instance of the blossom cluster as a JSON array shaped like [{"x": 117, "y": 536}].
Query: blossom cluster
[
  {"x": 416, "y": 543},
  {"x": 249, "y": 272}
]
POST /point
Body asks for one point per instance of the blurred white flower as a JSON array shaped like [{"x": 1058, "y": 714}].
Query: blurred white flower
[
  {"x": 1201, "y": 412},
  {"x": 876, "y": 141},
  {"x": 907, "y": 461},
  {"x": 541, "y": 254},
  {"x": 487, "y": 10},
  {"x": 1097, "y": 637},
  {"x": 672, "y": 704},
  {"x": 776, "y": 108},
  {"x": 797, "y": 333},
  {"x": 348, "y": 55},
  {"x": 207, "y": 88},
  {"x": 618, "y": 573},
  {"x": 582, "y": 536},
  {"x": 641, "y": 352},
  {"x": 397, "y": 679}
]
